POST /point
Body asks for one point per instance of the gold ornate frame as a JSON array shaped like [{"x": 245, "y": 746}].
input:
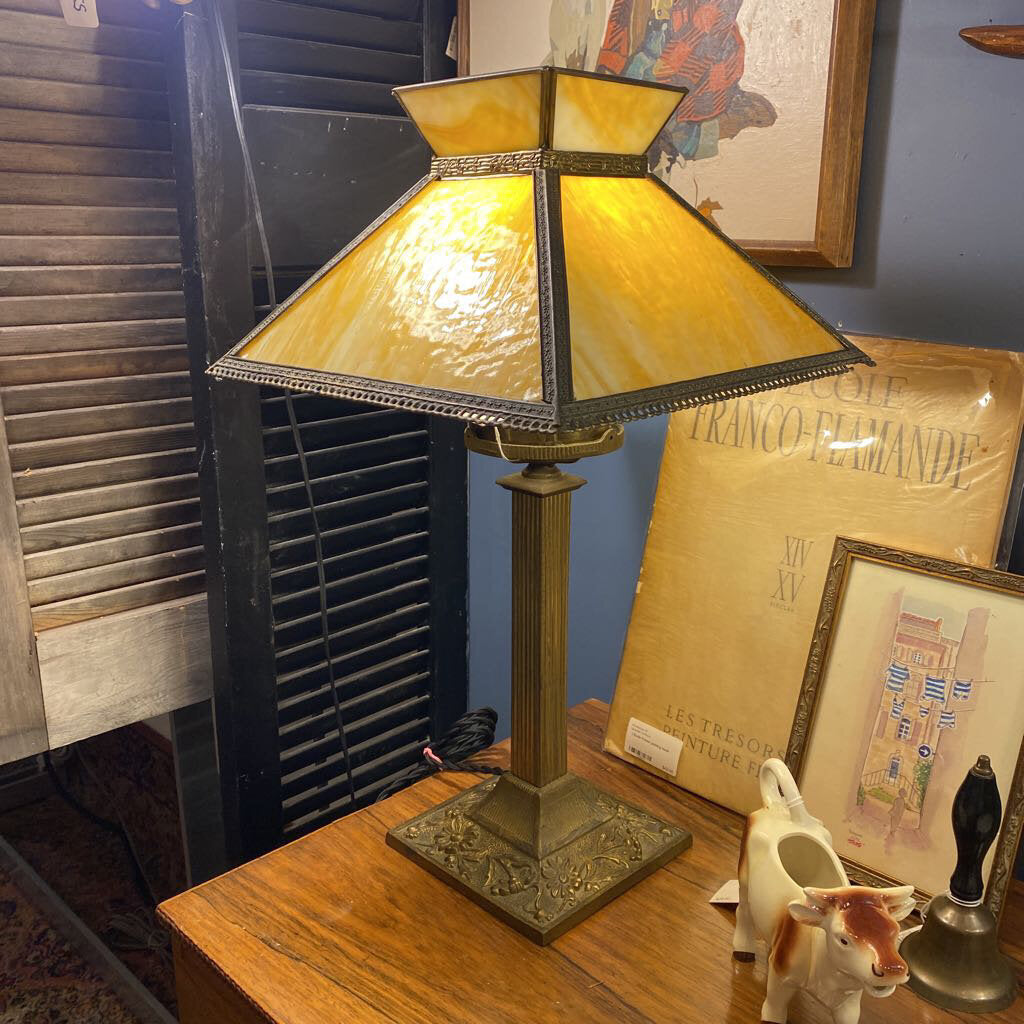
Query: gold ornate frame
[
  {"x": 843, "y": 554},
  {"x": 842, "y": 141}
]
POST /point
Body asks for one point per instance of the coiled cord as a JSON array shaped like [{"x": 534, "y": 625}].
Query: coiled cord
[{"x": 469, "y": 735}]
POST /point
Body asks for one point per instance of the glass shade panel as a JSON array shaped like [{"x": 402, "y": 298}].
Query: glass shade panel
[
  {"x": 609, "y": 115},
  {"x": 442, "y": 295},
  {"x": 656, "y": 297},
  {"x": 484, "y": 115}
]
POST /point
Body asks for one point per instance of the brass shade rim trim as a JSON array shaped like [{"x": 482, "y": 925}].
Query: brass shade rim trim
[
  {"x": 550, "y": 69},
  {"x": 525, "y": 161},
  {"x": 543, "y": 416},
  {"x": 474, "y": 408}
]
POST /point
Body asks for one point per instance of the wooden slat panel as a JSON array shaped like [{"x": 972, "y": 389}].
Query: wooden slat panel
[
  {"x": 301, "y": 550},
  {"x": 87, "y": 447},
  {"x": 86, "y": 220},
  {"x": 356, "y": 561},
  {"x": 83, "y": 129},
  {"x": 321, "y": 747},
  {"x": 151, "y": 465},
  {"x": 284, "y": 470},
  {"x": 88, "y": 68},
  {"x": 111, "y": 12},
  {"x": 64, "y": 250},
  {"x": 92, "y": 671},
  {"x": 75, "y": 98},
  {"x": 84, "y": 190},
  {"x": 64, "y": 366},
  {"x": 74, "y": 394},
  {"x": 303, "y": 57},
  {"x": 89, "y": 280},
  {"x": 40, "y": 426},
  {"x": 53, "y": 508},
  {"x": 299, "y": 674},
  {"x": 342, "y": 486},
  {"x": 75, "y": 337},
  {"x": 22, "y": 722},
  {"x": 41, "y": 158},
  {"x": 403, "y": 10},
  {"x": 394, "y": 676},
  {"x": 110, "y": 524},
  {"x": 309, "y": 789},
  {"x": 110, "y": 602},
  {"x": 115, "y": 576},
  {"x": 62, "y": 309},
  {"x": 275, "y": 89},
  {"x": 114, "y": 549},
  {"x": 295, "y": 21},
  {"x": 55, "y": 33}
]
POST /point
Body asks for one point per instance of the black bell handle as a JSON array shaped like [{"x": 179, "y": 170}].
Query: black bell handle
[{"x": 977, "y": 812}]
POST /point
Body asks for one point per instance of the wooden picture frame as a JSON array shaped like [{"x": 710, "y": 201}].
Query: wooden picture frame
[
  {"x": 906, "y": 629},
  {"x": 841, "y": 148}
]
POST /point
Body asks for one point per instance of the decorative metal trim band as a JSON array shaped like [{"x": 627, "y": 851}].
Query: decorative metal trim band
[
  {"x": 608, "y": 165},
  {"x": 529, "y": 416}
]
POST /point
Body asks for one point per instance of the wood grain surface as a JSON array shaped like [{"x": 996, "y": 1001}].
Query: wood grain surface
[
  {"x": 338, "y": 927},
  {"x": 103, "y": 673},
  {"x": 22, "y": 719}
]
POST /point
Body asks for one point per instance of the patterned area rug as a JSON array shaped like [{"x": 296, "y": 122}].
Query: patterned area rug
[
  {"x": 42, "y": 979},
  {"x": 119, "y": 776}
]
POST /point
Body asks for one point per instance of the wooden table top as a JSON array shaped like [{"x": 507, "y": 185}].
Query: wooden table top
[{"x": 337, "y": 927}]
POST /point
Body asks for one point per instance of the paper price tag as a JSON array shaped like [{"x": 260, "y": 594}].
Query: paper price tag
[
  {"x": 451, "y": 51},
  {"x": 80, "y": 13},
  {"x": 656, "y": 748}
]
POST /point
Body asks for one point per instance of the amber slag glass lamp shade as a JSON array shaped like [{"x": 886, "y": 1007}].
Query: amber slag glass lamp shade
[{"x": 539, "y": 277}]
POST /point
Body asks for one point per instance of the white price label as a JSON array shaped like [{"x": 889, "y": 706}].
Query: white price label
[
  {"x": 656, "y": 748},
  {"x": 80, "y": 13},
  {"x": 451, "y": 51}
]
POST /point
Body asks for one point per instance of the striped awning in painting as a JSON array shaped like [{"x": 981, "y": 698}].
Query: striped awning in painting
[
  {"x": 961, "y": 689},
  {"x": 934, "y": 688},
  {"x": 947, "y": 720},
  {"x": 896, "y": 677},
  {"x": 897, "y": 708},
  {"x": 924, "y": 712}
]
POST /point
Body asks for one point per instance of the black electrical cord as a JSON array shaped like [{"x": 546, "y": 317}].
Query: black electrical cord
[
  {"x": 469, "y": 735},
  {"x": 111, "y": 827}
]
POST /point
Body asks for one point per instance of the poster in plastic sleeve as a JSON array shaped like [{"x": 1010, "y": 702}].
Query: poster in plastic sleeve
[{"x": 917, "y": 452}]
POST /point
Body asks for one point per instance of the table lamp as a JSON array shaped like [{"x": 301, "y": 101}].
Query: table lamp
[{"x": 541, "y": 285}]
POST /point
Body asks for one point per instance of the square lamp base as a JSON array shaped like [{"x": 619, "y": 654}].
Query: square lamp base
[{"x": 544, "y": 895}]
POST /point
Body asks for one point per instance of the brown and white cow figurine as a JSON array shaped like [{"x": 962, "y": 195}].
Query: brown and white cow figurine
[{"x": 825, "y": 936}]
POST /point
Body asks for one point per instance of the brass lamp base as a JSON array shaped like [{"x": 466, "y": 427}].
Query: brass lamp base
[
  {"x": 494, "y": 843},
  {"x": 539, "y": 848}
]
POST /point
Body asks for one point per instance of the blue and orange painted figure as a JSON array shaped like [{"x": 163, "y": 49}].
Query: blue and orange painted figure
[{"x": 691, "y": 43}]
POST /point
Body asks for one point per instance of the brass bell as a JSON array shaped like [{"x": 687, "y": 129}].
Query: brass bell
[{"x": 954, "y": 957}]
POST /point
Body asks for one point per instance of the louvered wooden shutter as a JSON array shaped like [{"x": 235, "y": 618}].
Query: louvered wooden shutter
[
  {"x": 330, "y": 151},
  {"x": 93, "y": 366}
]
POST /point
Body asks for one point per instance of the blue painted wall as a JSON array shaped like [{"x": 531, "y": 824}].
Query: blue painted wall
[{"x": 939, "y": 255}]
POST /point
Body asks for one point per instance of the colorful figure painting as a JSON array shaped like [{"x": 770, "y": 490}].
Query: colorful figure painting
[
  {"x": 694, "y": 44},
  {"x": 750, "y": 141}
]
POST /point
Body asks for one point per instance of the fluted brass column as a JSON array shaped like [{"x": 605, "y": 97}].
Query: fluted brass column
[
  {"x": 539, "y": 847},
  {"x": 540, "y": 619}
]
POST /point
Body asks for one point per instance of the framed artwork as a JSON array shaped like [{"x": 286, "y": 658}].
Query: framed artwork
[
  {"x": 767, "y": 143},
  {"x": 914, "y": 670},
  {"x": 920, "y": 452}
]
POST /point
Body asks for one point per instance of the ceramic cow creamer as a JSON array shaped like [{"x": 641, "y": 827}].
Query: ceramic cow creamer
[{"x": 832, "y": 939}]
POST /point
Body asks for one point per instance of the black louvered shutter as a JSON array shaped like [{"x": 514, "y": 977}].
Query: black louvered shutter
[{"x": 332, "y": 150}]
